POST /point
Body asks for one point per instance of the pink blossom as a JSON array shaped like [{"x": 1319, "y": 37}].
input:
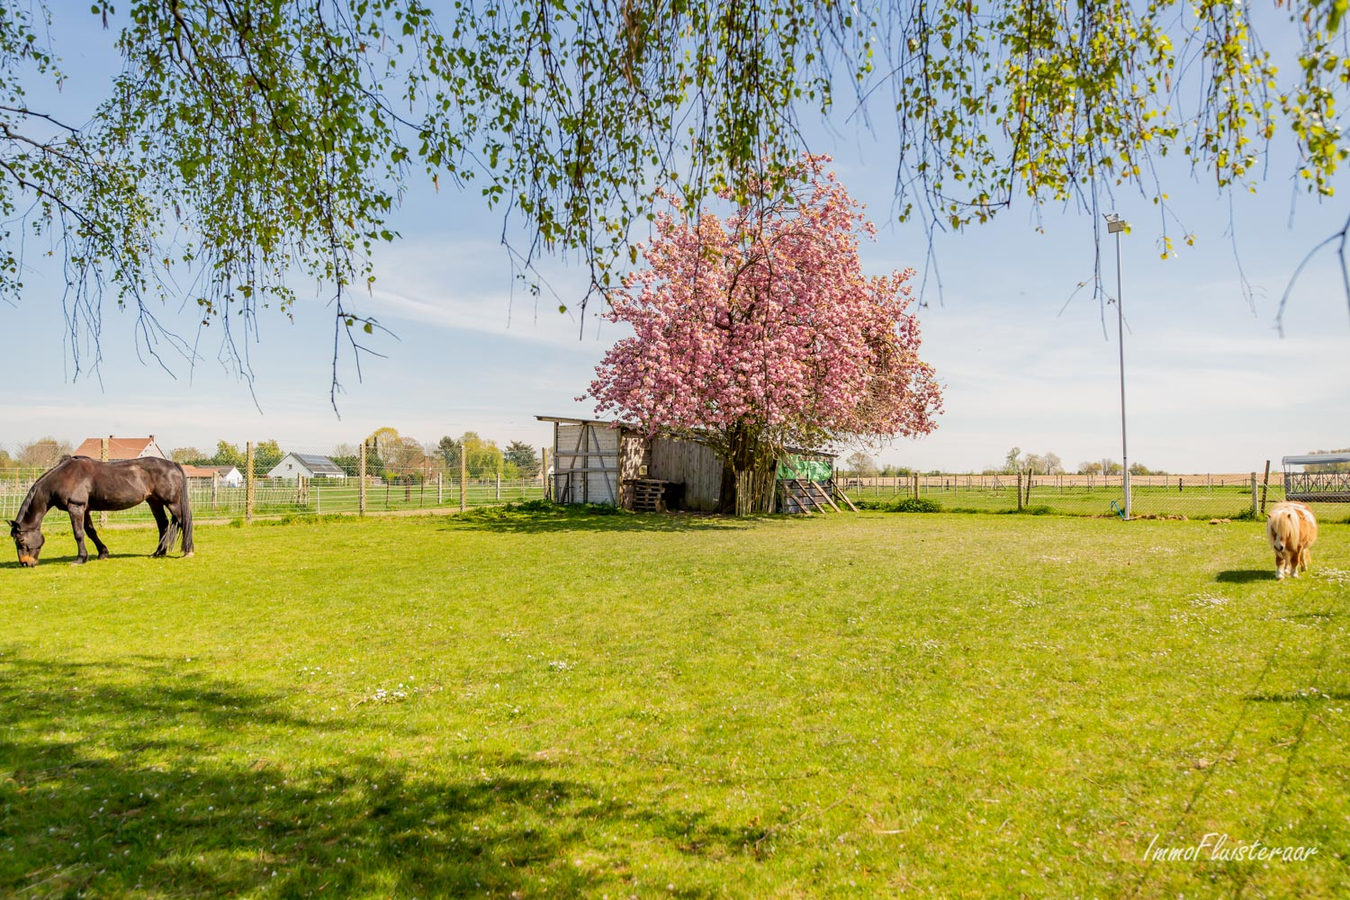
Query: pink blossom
[{"x": 765, "y": 320}]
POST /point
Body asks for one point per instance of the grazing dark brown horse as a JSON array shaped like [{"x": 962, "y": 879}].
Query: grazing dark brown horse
[{"x": 81, "y": 486}]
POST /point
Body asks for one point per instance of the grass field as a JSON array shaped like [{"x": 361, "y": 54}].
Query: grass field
[{"x": 522, "y": 704}]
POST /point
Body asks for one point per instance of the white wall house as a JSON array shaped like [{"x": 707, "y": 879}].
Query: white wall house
[
  {"x": 306, "y": 465},
  {"x": 226, "y": 476},
  {"x": 229, "y": 475}
]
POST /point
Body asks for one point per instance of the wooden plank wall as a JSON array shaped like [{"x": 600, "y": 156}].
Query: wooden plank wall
[
  {"x": 604, "y": 486},
  {"x": 693, "y": 463},
  {"x": 590, "y": 454}
]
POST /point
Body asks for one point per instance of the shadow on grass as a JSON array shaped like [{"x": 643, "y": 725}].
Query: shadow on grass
[
  {"x": 1326, "y": 615},
  {"x": 564, "y": 518},
  {"x": 119, "y": 780},
  {"x": 128, "y": 778},
  {"x": 1245, "y": 576},
  {"x": 68, "y": 559},
  {"x": 1304, "y": 696}
]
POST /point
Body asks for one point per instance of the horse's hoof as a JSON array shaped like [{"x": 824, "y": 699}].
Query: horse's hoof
[
  {"x": 104, "y": 555},
  {"x": 78, "y": 561},
  {"x": 187, "y": 554}
]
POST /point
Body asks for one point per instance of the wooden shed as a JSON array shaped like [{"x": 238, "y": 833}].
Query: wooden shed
[
  {"x": 595, "y": 461},
  {"x": 591, "y": 458}
]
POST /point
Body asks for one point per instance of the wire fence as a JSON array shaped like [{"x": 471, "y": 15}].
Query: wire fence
[
  {"x": 1196, "y": 496},
  {"x": 269, "y": 481},
  {"x": 256, "y": 480}
]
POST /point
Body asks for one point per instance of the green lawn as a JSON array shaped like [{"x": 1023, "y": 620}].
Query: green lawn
[{"x": 538, "y": 703}]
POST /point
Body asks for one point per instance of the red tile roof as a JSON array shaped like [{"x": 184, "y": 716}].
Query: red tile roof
[{"x": 118, "y": 448}]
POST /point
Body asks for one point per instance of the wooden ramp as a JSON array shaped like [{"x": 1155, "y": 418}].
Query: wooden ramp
[{"x": 801, "y": 495}]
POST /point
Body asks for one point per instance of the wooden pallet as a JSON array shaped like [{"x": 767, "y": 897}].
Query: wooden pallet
[{"x": 649, "y": 494}]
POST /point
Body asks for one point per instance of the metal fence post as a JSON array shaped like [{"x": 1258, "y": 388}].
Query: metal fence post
[
  {"x": 251, "y": 493},
  {"x": 361, "y": 478}
]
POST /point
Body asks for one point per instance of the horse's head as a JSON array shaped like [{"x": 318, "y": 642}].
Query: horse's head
[{"x": 27, "y": 542}]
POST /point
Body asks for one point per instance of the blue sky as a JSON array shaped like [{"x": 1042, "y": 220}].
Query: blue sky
[{"x": 1211, "y": 386}]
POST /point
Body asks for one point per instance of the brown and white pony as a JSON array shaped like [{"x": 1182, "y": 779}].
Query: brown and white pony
[{"x": 1291, "y": 528}]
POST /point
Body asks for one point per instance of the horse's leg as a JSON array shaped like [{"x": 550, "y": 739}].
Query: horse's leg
[
  {"x": 182, "y": 522},
  {"x": 93, "y": 535},
  {"x": 77, "y": 513},
  {"x": 162, "y": 521},
  {"x": 170, "y": 533}
]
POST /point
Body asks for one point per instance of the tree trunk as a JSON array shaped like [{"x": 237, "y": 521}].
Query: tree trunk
[{"x": 748, "y": 474}]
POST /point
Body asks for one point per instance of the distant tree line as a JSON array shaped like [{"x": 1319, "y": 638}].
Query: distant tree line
[
  {"x": 40, "y": 454},
  {"x": 1050, "y": 464},
  {"x": 1329, "y": 467},
  {"x": 861, "y": 465}
]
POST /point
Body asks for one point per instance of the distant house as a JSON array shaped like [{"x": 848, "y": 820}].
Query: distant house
[
  {"x": 307, "y": 465},
  {"x": 229, "y": 476},
  {"x": 121, "y": 448}
]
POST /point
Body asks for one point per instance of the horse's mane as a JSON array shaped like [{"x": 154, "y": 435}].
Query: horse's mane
[{"x": 32, "y": 491}]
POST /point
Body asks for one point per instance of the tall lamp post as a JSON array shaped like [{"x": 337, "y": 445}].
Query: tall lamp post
[{"x": 1115, "y": 225}]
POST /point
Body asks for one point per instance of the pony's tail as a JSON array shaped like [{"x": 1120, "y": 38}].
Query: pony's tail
[{"x": 187, "y": 516}]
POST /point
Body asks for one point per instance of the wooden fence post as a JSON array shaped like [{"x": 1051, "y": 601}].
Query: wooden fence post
[
  {"x": 103, "y": 455},
  {"x": 440, "y": 488},
  {"x": 361, "y": 477},
  {"x": 543, "y": 472},
  {"x": 463, "y": 475},
  {"x": 1265, "y": 485},
  {"x": 250, "y": 492},
  {"x": 1254, "y": 507}
]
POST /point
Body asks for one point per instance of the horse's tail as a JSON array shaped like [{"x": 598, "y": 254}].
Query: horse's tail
[{"x": 187, "y": 515}]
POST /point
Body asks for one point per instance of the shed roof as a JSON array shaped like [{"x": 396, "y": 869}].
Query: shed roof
[
  {"x": 567, "y": 420},
  {"x": 1312, "y": 459}
]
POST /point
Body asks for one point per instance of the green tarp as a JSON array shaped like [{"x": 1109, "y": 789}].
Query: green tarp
[{"x": 793, "y": 466}]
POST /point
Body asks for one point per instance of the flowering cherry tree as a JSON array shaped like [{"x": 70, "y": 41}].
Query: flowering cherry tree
[{"x": 761, "y": 332}]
